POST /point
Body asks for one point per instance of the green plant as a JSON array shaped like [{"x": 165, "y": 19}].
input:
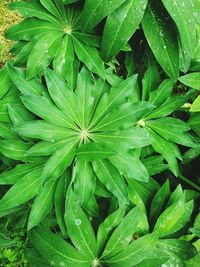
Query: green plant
[{"x": 99, "y": 130}]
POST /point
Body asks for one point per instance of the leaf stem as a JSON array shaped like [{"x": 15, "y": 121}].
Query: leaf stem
[{"x": 189, "y": 182}]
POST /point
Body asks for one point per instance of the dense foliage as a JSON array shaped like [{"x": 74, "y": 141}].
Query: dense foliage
[{"x": 99, "y": 125}]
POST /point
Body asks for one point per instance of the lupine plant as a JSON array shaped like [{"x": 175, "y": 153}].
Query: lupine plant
[{"x": 99, "y": 134}]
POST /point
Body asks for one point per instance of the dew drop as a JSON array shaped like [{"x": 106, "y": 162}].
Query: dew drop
[
  {"x": 143, "y": 7},
  {"x": 164, "y": 46},
  {"x": 78, "y": 222}
]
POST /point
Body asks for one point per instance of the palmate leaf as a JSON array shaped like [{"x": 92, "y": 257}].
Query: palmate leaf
[
  {"x": 73, "y": 128},
  {"x": 51, "y": 25}
]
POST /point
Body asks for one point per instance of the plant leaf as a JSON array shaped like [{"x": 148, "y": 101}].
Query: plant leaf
[
  {"x": 90, "y": 57},
  {"x": 191, "y": 80},
  {"x": 43, "y": 130},
  {"x": 120, "y": 26},
  {"x": 42, "y": 53},
  {"x": 85, "y": 181},
  {"x": 42, "y": 204},
  {"x": 111, "y": 178},
  {"x": 94, "y": 12},
  {"x": 80, "y": 230},
  {"x": 23, "y": 190},
  {"x": 162, "y": 39},
  {"x": 182, "y": 14},
  {"x": 55, "y": 250},
  {"x": 122, "y": 235},
  {"x": 130, "y": 166},
  {"x": 94, "y": 151},
  {"x": 45, "y": 109},
  {"x": 59, "y": 161}
]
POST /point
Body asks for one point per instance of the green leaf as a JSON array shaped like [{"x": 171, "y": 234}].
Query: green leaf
[
  {"x": 107, "y": 226},
  {"x": 42, "y": 204},
  {"x": 122, "y": 235},
  {"x": 161, "y": 38},
  {"x": 45, "y": 109},
  {"x": 185, "y": 250},
  {"x": 158, "y": 96},
  {"x": 6, "y": 131},
  {"x": 14, "y": 149},
  {"x": 33, "y": 8},
  {"x": 15, "y": 174},
  {"x": 60, "y": 195},
  {"x": 196, "y": 105},
  {"x": 85, "y": 99},
  {"x": 191, "y": 80},
  {"x": 64, "y": 57},
  {"x": 141, "y": 193},
  {"x": 182, "y": 14},
  {"x": 18, "y": 114},
  {"x": 154, "y": 165},
  {"x": 90, "y": 57},
  {"x": 55, "y": 250},
  {"x": 85, "y": 181},
  {"x": 94, "y": 151},
  {"x": 167, "y": 221},
  {"x": 29, "y": 28},
  {"x": 94, "y": 12},
  {"x": 163, "y": 147},
  {"x": 124, "y": 116},
  {"x": 137, "y": 251},
  {"x": 26, "y": 87},
  {"x": 5, "y": 82},
  {"x": 120, "y": 26},
  {"x": 42, "y": 53},
  {"x": 173, "y": 130},
  {"x": 43, "y": 130},
  {"x": 111, "y": 178},
  {"x": 116, "y": 96},
  {"x": 151, "y": 78},
  {"x": 124, "y": 140},
  {"x": 23, "y": 190},
  {"x": 52, "y": 8},
  {"x": 44, "y": 148},
  {"x": 80, "y": 230},
  {"x": 159, "y": 201},
  {"x": 169, "y": 106},
  {"x": 130, "y": 166},
  {"x": 63, "y": 96},
  {"x": 59, "y": 161}
]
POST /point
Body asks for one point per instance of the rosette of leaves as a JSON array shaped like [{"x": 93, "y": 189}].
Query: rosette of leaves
[
  {"x": 51, "y": 24},
  {"x": 170, "y": 132},
  {"x": 94, "y": 123},
  {"x": 51, "y": 31},
  {"x": 124, "y": 237}
]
